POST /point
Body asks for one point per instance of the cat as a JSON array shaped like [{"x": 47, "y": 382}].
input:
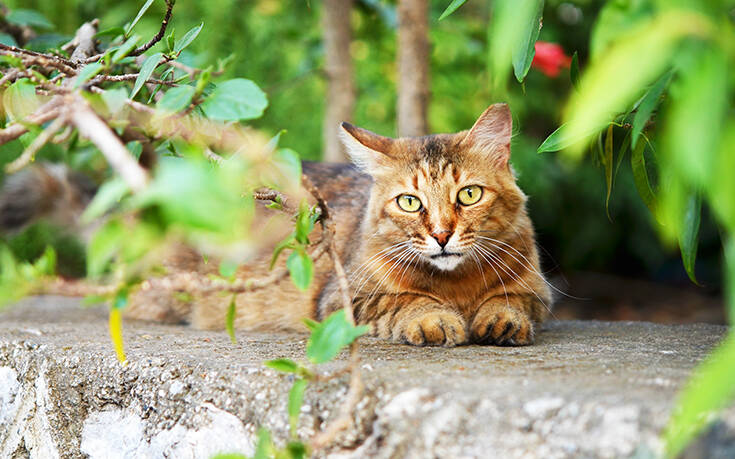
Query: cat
[{"x": 434, "y": 236}]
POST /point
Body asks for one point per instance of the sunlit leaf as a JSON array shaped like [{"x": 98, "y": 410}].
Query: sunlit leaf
[
  {"x": 648, "y": 103},
  {"x": 559, "y": 139},
  {"x": 509, "y": 26},
  {"x": 146, "y": 70},
  {"x": 235, "y": 100},
  {"x": 140, "y": 14},
  {"x": 283, "y": 365},
  {"x": 729, "y": 252},
  {"x": 115, "y": 99},
  {"x": 116, "y": 335},
  {"x": 188, "y": 38},
  {"x": 331, "y": 336},
  {"x": 525, "y": 49},
  {"x": 709, "y": 389},
  {"x": 125, "y": 49},
  {"x": 301, "y": 268},
  {"x": 176, "y": 99},
  {"x": 264, "y": 447},
  {"x": 295, "y": 400},
  {"x": 20, "y": 99},
  {"x": 280, "y": 247},
  {"x": 230, "y": 319},
  {"x": 452, "y": 8},
  {"x": 640, "y": 177},
  {"x": 613, "y": 82},
  {"x": 689, "y": 235}
]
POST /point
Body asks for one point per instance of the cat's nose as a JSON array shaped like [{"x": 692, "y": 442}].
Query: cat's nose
[{"x": 442, "y": 237}]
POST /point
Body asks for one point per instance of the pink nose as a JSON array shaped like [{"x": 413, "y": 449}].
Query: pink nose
[{"x": 442, "y": 237}]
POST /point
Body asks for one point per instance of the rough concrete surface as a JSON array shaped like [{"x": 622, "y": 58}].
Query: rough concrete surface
[{"x": 586, "y": 389}]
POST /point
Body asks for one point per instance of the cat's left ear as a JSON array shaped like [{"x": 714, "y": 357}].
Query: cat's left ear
[
  {"x": 368, "y": 150},
  {"x": 491, "y": 133}
]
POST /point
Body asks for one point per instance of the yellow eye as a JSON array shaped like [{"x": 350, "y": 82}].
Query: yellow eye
[
  {"x": 469, "y": 195},
  {"x": 408, "y": 203}
]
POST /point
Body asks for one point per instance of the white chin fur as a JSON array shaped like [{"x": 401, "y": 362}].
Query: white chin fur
[{"x": 446, "y": 263}]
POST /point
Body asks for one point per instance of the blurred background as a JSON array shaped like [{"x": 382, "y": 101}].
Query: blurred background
[{"x": 617, "y": 262}]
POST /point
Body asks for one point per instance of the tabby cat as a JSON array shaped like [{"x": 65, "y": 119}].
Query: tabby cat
[{"x": 434, "y": 236}]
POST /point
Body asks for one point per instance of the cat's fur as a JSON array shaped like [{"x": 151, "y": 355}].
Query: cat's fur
[{"x": 447, "y": 274}]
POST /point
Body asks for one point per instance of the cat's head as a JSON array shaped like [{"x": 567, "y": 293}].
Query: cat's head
[{"x": 439, "y": 194}]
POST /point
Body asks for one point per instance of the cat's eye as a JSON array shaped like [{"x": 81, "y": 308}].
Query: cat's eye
[
  {"x": 408, "y": 202},
  {"x": 469, "y": 195}
]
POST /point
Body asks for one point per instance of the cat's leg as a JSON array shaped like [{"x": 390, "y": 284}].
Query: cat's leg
[
  {"x": 413, "y": 319},
  {"x": 505, "y": 320}
]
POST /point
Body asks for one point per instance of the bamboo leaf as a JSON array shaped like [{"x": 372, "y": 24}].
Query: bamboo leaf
[
  {"x": 452, "y": 8},
  {"x": 146, "y": 70},
  {"x": 640, "y": 177},
  {"x": 647, "y": 104},
  {"x": 140, "y": 14},
  {"x": 689, "y": 236}
]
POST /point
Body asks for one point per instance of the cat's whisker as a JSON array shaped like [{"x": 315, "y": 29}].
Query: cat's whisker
[
  {"x": 490, "y": 263},
  {"x": 376, "y": 256},
  {"x": 369, "y": 274},
  {"x": 399, "y": 261},
  {"x": 479, "y": 266},
  {"x": 514, "y": 275},
  {"x": 415, "y": 257},
  {"x": 529, "y": 265}
]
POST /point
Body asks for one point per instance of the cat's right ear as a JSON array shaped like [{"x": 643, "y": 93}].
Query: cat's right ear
[{"x": 369, "y": 151}]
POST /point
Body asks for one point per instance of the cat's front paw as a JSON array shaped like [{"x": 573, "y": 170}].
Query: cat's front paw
[
  {"x": 501, "y": 325},
  {"x": 434, "y": 328}
]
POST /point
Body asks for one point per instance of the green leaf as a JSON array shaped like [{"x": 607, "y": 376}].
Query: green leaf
[
  {"x": 230, "y": 319},
  {"x": 6, "y": 39},
  {"x": 109, "y": 194},
  {"x": 45, "y": 265},
  {"x": 647, "y": 104},
  {"x": 289, "y": 163},
  {"x": 273, "y": 142},
  {"x": 510, "y": 35},
  {"x": 120, "y": 301},
  {"x": 284, "y": 244},
  {"x": 640, "y": 177},
  {"x": 608, "y": 165},
  {"x": 331, "y": 336},
  {"x": 125, "y": 49},
  {"x": 235, "y": 100},
  {"x": 304, "y": 223},
  {"x": 729, "y": 255},
  {"x": 227, "y": 268},
  {"x": 452, "y": 8},
  {"x": 301, "y": 268},
  {"x": 710, "y": 388},
  {"x": 188, "y": 38},
  {"x": 110, "y": 32},
  {"x": 310, "y": 324},
  {"x": 296, "y": 450},
  {"x": 689, "y": 236},
  {"x": 29, "y": 18},
  {"x": 87, "y": 72},
  {"x": 140, "y": 14},
  {"x": 231, "y": 456},
  {"x": 525, "y": 49},
  {"x": 574, "y": 70},
  {"x": 20, "y": 99},
  {"x": 176, "y": 99},
  {"x": 105, "y": 243},
  {"x": 295, "y": 399},
  {"x": 559, "y": 139},
  {"x": 115, "y": 100},
  {"x": 284, "y": 365},
  {"x": 146, "y": 70},
  {"x": 610, "y": 84},
  {"x": 264, "y": 447}
]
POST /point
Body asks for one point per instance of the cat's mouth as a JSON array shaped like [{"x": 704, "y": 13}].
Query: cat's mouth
[{"x": 445, "y": 255}]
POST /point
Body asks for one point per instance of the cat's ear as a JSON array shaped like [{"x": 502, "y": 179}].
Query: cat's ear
[
  {"x": 492, "y": 132},
  {"x": 368, "y": 150}
]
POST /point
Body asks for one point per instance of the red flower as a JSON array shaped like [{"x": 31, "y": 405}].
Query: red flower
[{"x": 550, "y": 58}]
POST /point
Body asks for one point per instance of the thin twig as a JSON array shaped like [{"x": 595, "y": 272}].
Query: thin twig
[
  {"x": 40, "y": 140},
  {"x": 127, "y": 77},
  {"x": 159, "y": 35},
  {"x": 91, "y": 126},
  {"x": 84, "y": 40},
  {"x": 13, "y": 50}
]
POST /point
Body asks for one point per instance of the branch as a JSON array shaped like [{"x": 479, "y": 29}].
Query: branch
[
  {"x": 41, "y": 140},
  {"x": 91, "y": 126},
  {"x": 84, "y": 40},
  {"x": 161, "y": 31},
  {"x": 45, "y": 113}
]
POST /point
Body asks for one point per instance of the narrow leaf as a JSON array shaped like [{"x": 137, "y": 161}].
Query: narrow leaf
[
  {"x": 125, "y": 49},
  {"x": 574, "y": 70},
  {"x": 115, "y": 324},
  {"x": 559, "y": 140},
  {"x": 525, "y": 49},
  {"x": 140, "y": 14},
  {"x": 689, "y": 237},
  {"x": 295, "y": 399},
  {"x": 230, "y": 319},
  {"x": 87, "y": 72},
  {"x": 452, "y": 8},
  {"x": 146, "y": 70},
  {"x": 608, "y": 164},
  {"x": 647, "y": 104},
  {"x": 640, "y": 177},
  {"x": 283, "y": 365},
  {"x": 188, "y": 38},
  {"x": 264, "y": 447}
]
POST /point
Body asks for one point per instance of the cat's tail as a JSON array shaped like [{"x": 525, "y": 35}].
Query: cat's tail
[{"x": 45, "y": 191}]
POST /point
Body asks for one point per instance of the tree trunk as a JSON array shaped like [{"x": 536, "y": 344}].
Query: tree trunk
[
  {"x": 340, "y": 86},
  {"x": 413, "y": 67}
]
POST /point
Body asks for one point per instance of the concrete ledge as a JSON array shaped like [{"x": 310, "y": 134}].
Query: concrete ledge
[{"x": 586, "y": 389}]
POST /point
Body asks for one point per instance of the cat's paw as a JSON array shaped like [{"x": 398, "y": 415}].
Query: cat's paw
[
  {"x": 501, "y": 325},
  {"x": 434, "y": 328}
]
